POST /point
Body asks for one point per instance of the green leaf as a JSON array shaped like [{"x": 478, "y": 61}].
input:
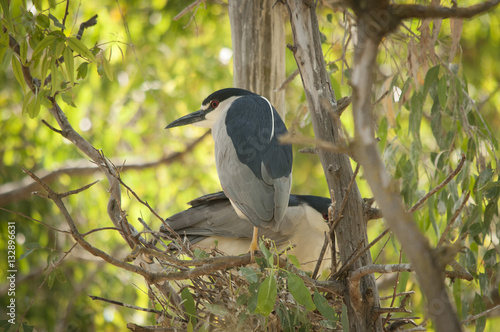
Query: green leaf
[
  {"x": 80, "y": 48},
  {"x": 43, "y": 21},
  {"x": 23, "y": 50},
  {"x": 17, "y": 68},
  {"x": 479, "y": 307},
  {"x": 35, "y": 109},
  {"x": 267, "y": 296},
  {"x": 216, "y": 309},
  {"x": 249, "y": 274},
  {"x": 43, "y": 44},
  {"x": 299, "y": 291},
  {"x": 107, "y": 68},
  {"x": 68, "y": 98},
  {"x": 430, "y": 78},
  {"x": 323, "y": 307},
  {"x": 442, "y": 91},
  {"x": 489, "y": 212},
  {"x": 416, "y": 114},
  {"x": 293, "y": 259},
  {"x": 82, "y": 70},
  {"x": 26, "y": 254},
  {"x": 189, "y": 305},
  {"x": 56, "y": 21},
  {"x": 484, "y": 177},
  {"x": 69, "y": 62},
  {"x": 53, "y": 78}
]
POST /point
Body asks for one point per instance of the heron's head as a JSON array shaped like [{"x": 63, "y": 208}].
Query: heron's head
[{"x": 214, "y": 106}]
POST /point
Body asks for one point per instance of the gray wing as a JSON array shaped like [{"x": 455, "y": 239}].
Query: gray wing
[
  {"x": 214, "y": 217},
  {"x": 253, "y": 168}
]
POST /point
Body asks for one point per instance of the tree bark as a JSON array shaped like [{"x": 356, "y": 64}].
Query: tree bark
[
  {"x": 371, "y": 30},
  {"x": 258, "y": 37},
  {"x": 351, "y": 231}
]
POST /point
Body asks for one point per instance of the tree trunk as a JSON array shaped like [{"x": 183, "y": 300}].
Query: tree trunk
[
  {"x": 258, "y": 37},
  {"x": 351, "y": 231}
]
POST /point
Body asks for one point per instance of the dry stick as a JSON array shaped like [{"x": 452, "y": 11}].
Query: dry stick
[
  {"x": 398, "y": 294},
  {"x": 125, "y": 305},
  {"x": 439, "y": 186},
  {"x": 404, "y": 11},
  {"x": 391, "y": 309},
  {"x": 188, "y": 8},
  {"x": 434, "y": 190},
  {"x": 344, "y": 201},
  {"x": 321, "y": 256},
  {"x": 452, "y": 219},
  {"x": 394, "y": 290},
  {"x": 479, "y": 315},
  {"x": 351, "y": 261},
  {"x": 36, "y": 220},
  {"x": 146, "y": 204},
  {"x": 16, "y": 191}
]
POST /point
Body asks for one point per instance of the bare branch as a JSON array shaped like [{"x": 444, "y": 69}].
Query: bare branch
[
  {"x": 98, "y": 298},
  {"x": 188, "y": 8},
  {"x": 20, "y": 190},
  {"x": 439, "y": 186},
  {"x": 418, "y": 11},
  {"x": 479, "y": 315},
  {"x": 453, "y": 218}
]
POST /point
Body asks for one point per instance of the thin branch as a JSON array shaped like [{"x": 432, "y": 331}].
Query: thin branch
[
  {"x": 418, "y": 11},
  {"x": 323, "y": 145},
  {"x": 20, "y": 190},
  {"x": 187, "y": 9},
  {"x": 398, "y": 294},
  {"x": 35, "y": 220},
  {"x": 321, "y": 256},
  {"x": 287, "y": 81},
  {"x": 479, "y": 315},
  {"x": 439, "y": 186},
  {"x": 125, "y": 305},
  {"x": 339, "y": 215},
  {"x": 451, "y": 222}
]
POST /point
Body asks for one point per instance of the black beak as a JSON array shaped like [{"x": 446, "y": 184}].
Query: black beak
[{"x": 188, "y": 119}]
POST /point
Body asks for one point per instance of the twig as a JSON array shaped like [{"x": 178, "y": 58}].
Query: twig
[
  {"x": 451, "y": 222},
  {"x": 351, "y": 261},
  {"x": 66, "y": 13},
  {"x": 321, "y": 256},
  {"x": 394, "y": 290},
  {"x": 390, "y": 310},
  {"x": 339, "y": 215},
  {"x": 418, "y": 11},
  {"x": 398, "y": 294},
  {"x": 287, "y": 81},
  {"x": 187, "y": 9},
  {"x": 327, "y": 146},
  {"x": 342, "y": 104},
  {"x": 439, "y": 186},
  {"x": 35, "y": 220},
  {"x": 87, "y": 24},
  {"x": 76, "y": 191},
  {"x": 479, "y": 315},
  {"x": 125, "y": 304},
  {"x": 19, "y": 190}
]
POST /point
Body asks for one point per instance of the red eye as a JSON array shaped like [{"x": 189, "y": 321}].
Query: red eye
[
  {"x": 325, "y": 216},
  {"x": 214, "y": 103}
]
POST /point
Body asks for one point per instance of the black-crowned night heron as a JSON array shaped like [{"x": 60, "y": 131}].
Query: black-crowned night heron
[
  {"x": 253, "y": 167},
  {"x": 212, "y": 218}
]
